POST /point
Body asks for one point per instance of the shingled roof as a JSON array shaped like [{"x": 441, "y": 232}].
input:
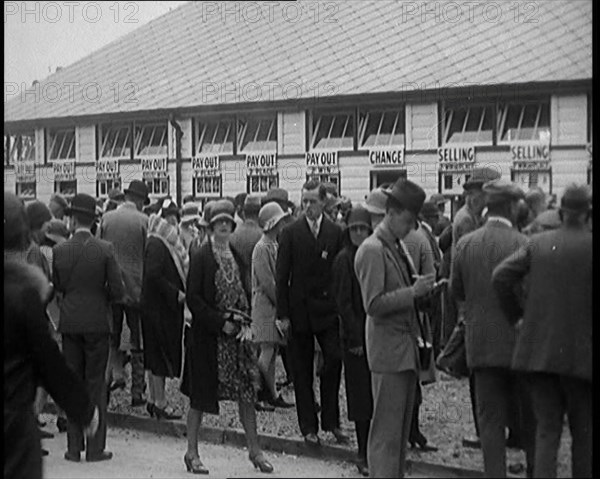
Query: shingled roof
[{"x": 189, "y": 57}]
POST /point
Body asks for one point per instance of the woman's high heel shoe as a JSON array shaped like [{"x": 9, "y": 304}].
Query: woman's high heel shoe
[
  {"x": 165, "y": 414},
  {"x": 280, "y": 402},
  {"x": 194, "y": 465},
  {"x": 260, "y": 462}
]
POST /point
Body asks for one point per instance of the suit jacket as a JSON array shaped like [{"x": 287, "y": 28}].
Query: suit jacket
[
  {"x": 391, "y": 327},
  {"x": 556, "y": 333},
  {"x": 86, "y": 273},
  {"x": 489, "y": 338},
  {"x": 304, "y": 278},
  {"x": 243, "y": 240},
  {"x": 127, "y": 229}
]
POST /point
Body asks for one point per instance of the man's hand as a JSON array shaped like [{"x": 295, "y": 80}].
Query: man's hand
[
  {"x": 92, "y": 427},
  {"x": 423, "y": 285}
]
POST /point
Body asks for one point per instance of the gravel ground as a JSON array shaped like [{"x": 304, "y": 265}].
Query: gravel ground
[{"x": 445, "y": 418}]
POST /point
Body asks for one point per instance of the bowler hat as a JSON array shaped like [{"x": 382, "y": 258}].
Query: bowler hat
[
  {"x": 375, "y": 202},
  {"x": 359, "y": 216},
  {"x": 270, "y": 215},
  {"x": 430, "y": 210},
  {"x": 280, "y": 196},
  {"x": 38, "y": 214},
  {"x": 502, "y": 190},
  {"x": 82, "y": 204},
  {"x": 116, "y": 194},
  {"x": 408, "y": 194},
  {"x": 479, "y": 176},
  {"x": 138, "y": 188},
  {"x": 222, "y": 209},
  {"x": 576, "y": 199}
]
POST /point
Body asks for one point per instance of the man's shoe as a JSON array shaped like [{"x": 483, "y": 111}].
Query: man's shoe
[
  {"x": 103, "y": 456},
  {"x": 61, "y": 424},
  {"x": 472, "y": 442},
  {"x": 137, "y": 402},
  {"x": 340, "y": 437},
  {"x": 312, "y": 439},
  {"x": 362, "y": 467},
  {"x": 46, "y": 434},
  {"x": 73, "y": 456},
  {"x": 44, "y": 452}
]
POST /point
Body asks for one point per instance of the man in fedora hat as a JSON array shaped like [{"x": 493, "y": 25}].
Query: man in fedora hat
[
  {"x": 86, "y": 273},
  {"x": 388, "y": 293},
  {"x": 126, "y": 228},
  {"x": 281, "y": 197},
  {"x": 439, "y": 201},
  {"x": 554, "y": 345},
  {"x": 489, "y": 354},
  {"x": 468, "y": 219}
]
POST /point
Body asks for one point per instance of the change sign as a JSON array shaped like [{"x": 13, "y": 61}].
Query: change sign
[
  {"x": 64, "y": 170},
  {"x": 154, "y": 167},
  {"x": 387, "y": 157}
]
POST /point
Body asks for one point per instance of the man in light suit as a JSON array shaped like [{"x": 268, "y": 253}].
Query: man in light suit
[
  {"x": 305, "y": 301},
  {"x": 489, "y": 338},
  {"x": 126, "y": 228},
  {"x": 555, "y": 336},
  {"x": 86, "y": 273},
  {"x": 389, "y": 295}
]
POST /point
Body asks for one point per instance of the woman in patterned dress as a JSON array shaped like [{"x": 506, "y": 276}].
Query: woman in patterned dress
[{"x": 220, "y": 360}]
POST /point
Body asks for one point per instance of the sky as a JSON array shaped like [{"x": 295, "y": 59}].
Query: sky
[{"x": 40, "y": 36}]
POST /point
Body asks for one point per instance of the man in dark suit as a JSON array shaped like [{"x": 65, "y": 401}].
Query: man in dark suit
[
  {"x": 305, "y": 301},
  {"x": 126, "y": 228},
  {"x": 489, "y": 338},
  {"x": 86, "y": 273},
  {"x": 555, "y": 335}
]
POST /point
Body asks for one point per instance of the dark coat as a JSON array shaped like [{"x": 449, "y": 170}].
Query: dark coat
[
  {"x": 89, "y": 278},
  {"x": 162, "y": 321},
  {"x": 556, "y": 334},
  {"x": 200, "y": 375},
  {"x": 304, "y": 263},
  {"x": 31, "y": 357},
  {"x": 489, "y": 338}
]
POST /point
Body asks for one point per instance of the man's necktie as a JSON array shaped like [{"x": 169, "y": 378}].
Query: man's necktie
[{"x": 314, "y": 228}]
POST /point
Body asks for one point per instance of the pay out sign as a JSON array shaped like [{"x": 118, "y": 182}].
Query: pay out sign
[
  {"x": 206, "y": 163},
  {"x": 107, "y": 169},
  {"x": 64, "y": 170},
  {"x": 154, "y": 165},
  {"x": 261, "y": 160},
  {"x": 322, "y": 158}
]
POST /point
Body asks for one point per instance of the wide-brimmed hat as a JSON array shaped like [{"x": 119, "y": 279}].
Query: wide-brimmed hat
[
  {"x": 280, "y": 196},
  {"x": 438, "y": 199},
  {"x": 222, "y": 209},
  {"x": 576, "y": 199},
  {"x": 57, "y": 231},
  {"x": 479, "y": 177},
  {"x": 82, "y": 204},
  {"x": 359, "y": 216},
  {"x": 407, "y": 194},
  {"x": 501, "y": 190},
  {"x": 169, "y": 207},
  {"x": 190, "y": 212},
  {"x": 375, "y": 202},
  {"x": 138, "y": 188},
  {"x": 115, "y": 194},
  {"x": 270, "y": 215},
  {"x": 429, "y": 210}
]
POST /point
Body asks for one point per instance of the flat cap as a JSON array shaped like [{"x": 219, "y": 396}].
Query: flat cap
[
  {"x": 438, "y": 199},
  {"x": 502, "y": 190},
  {"x": 429, "y": 210},
  {"x": 59, "y": 200},
  {"x": 479, "y": 176}
]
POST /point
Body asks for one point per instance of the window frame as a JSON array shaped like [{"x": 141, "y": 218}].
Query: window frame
[
  {"x": 315, "y": 123},
  {"x": 162, "y": 180},
  {"x": 446, "y": 123},
  {"x": 58, "y": 189},
  {"x": 115, "y": 182},
  {"x": 129, "y": 140},
  {"x": 363, "y": 115},
  {"x": 137, "y": 141},
  {"x": 242, "y": 122},
  {"x": 259, "y": 178},
  {"x": 200, "y": 132},
  {"x": 523, "y": 103},
  {"x": 9, "y": 141},
  {"x": 214, "y": 179},
  {"x": 19, "y": 186},
  {"x": 52, "y": 133}
]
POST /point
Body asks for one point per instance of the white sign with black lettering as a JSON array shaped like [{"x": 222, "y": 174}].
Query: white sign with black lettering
[
  {"x": 322, "y": 162},
  {"x": 25, "y": 171},
  {"x": 387, "y": 157},
  {"x": 154, "y": 167},
  {"x": 107, "y": 169},
  {"x": 456, "y": 158},
  {"x": 530, "y": 156},
  {"x": 64, "y": 170},
  {"x": 209, "y": 165}
]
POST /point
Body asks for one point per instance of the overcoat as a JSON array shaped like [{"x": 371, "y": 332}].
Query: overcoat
[
  {"x": 556, "y": 333},
  {"x": 200, "y": 375},
  {"x": 489, "y": 338}
]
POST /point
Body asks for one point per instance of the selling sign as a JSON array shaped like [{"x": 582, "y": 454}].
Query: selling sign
[
  {"x": 25, "y": 171},
  {"x": 64, "y": 170},
  {"x": 206, "y": 165},
  {"x": 530, "y": 156},
  {"x": 154, "y": 167},
  {"x": 387, "y": 157},
  {"x": 107, "y": 169},
  {"x": 456, "y": 158}
]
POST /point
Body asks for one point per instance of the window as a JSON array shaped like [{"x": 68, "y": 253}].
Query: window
[
  {"x": 19, "y": 148},
  {"x": 66, "y": 188},
  {"x": 527, "y": 121},
  {"x": 215, "y": 137},
  {"x": 469, "y": 124},
  {"x": 60, "y": 144},
  {"x": 381, "y": 128},
  {"x": 332, "y": 131},
  {"x": 105, "y": 185},
  {"x": 258, "y": 183},
  {"x": 115, "y": 141},
  {"x": 158, "y": 186},
  {"x": 257, "y": 134},
  {"x": 207, "y": 185},
  {"x": 531, "y": 179},
  {"x": 151, "y": 140},
  {"x": 330, "y": 176},
  {"x": 26, "y": 190}
]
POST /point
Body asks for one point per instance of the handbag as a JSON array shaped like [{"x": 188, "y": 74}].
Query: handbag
[{"x": 453, "y": 358}]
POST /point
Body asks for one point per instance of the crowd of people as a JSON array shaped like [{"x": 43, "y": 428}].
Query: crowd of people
[{"x": 389, "y": 290}]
